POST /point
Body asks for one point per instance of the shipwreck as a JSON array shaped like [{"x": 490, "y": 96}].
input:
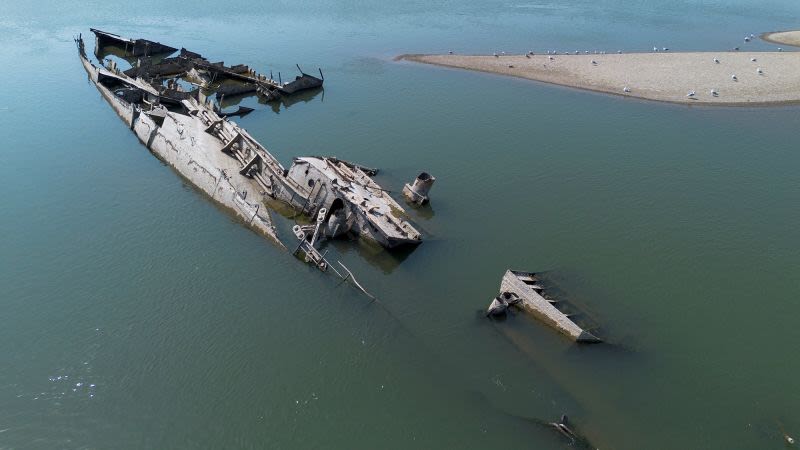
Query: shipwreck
[
  {"x": 525, "y": 291},
  {"x": 184, "y": 128}
]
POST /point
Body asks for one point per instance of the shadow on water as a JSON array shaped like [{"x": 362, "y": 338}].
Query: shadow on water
[
  {"x": 425, "y": 211},
  {"x": 385, "y": 260}
]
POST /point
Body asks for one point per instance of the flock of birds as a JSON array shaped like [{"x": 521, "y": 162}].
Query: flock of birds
[{"x": 691, "y": 94}]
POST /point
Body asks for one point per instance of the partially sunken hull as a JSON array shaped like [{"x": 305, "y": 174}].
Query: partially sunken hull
[
  {"x": 181, "y": 141},
  {"x": 224, "y": 161},
  {"x": 523, "y": 284}
]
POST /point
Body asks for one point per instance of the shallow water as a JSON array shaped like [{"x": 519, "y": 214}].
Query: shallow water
[{"x": 172, "y": 326}]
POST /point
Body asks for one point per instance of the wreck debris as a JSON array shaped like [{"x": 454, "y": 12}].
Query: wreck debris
[
  {"x": 565, "y": 429},
  {"x": 234, "y": 80},
  {"x": 241, "y": 111},
  {"x": 132, "y": 47},
  {"x": 352, "y": 278},
  {"x": 524, "y": 290},
  {"x": 500, "y": 304},
  {"x": 308, "y": 236},
  {"x": 417, "y": 192}
]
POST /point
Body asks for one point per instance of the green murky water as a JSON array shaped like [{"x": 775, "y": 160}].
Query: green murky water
[{"x": 135, "y": 314}]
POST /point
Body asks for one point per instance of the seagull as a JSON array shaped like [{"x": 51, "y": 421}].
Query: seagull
[
  {"x": 550, "y": 58},
  {"x": 655, "y": 49},
  {"x": 510, "y": 66},
  {"x": 496, "y": 55},
  {"x": 503, "y": 53},
  {"x": 690, "y": 94},
  {"x": 716, "y": 60},
  {"x": 619, "y": 52},
  {"x": 594, "y": 62},
  {"x": 753, "y": 59},
  {"x": 528, "y": 56},
  {"x": 733, "y": 77},
  {"x": 736, "y": 48},
  {"x": 747, "y": 38},
  {"x": 665, "y": 49},
  {"x": 530, "y": 52},
  {"x": 586, "y": 52},
  {"x": 752, "y": 35},
  {"x": 626, "y": 89},
  {"x": 450, "y": 52},
  {"x": 759, "y": 71},
  {"x": 548, "y": 52},
  {"x": 780, "y": 49},
  {"x": 714, "y": 92}
]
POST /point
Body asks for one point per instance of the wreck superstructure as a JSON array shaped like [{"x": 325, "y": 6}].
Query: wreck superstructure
[{"x": 222, "y": 159}]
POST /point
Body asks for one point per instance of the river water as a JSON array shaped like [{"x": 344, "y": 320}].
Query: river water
[{"x": 136, "y": 314}]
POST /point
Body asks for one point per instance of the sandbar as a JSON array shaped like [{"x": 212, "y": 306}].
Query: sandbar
[
  {"x": 783, "y": 37},
  {"x": 661, "y": 76}
]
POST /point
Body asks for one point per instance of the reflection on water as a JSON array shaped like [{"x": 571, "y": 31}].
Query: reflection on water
[{"x": 300, "y": 97}]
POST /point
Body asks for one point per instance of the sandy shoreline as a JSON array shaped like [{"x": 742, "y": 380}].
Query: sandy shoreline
[
  {"x": 783, "y": 37},
  {"x": 662, "y": 76}
]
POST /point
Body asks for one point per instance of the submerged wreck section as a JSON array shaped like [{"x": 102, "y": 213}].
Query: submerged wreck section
[
  {"x": 186, "y": 130},
  {"x": 132, "y": 47},
  {"x": 238, "y": 79},
  {"x": 524, "y": 290}
]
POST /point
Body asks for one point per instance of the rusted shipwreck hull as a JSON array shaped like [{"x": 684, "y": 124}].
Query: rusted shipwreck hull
[
  {"x": 236, "y": 171},
  {"x": 132, "y": 47},
  {"x": 204, "y": 71},
  {"x": 524, "y": 290}
]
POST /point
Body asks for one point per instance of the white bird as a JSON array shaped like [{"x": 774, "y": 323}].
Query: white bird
[
  {"x": 716, "y": 60},
  {"x": 753, "y": 59},
  {"x": 733, "y": 77},
  {"x": 550, "y": 58},
  {"x": 530, "y": 52},
  {"x": 586, "y": 52},
  {"x": 496, "y": 55},
  {"x": 780, "y": 49},
  {"x": 714, "y": 92},
  {"x": 752, "y": 35},
  {"x": 502, "y": 53},
  {"x": 548, "y": 52},
  {"x": 665, "y": 49},
  {"x": 619, "y": 51},
  {"x": 450, "y": 52},
  {"x": 759, "y": 71},
  {"x": 690, "y": 94},
  {"x": 626, "y": 89},
  {"x": 747, "y": 38},
  {"x": 594, "y": 62},
  {"x": 655, "y": 49}
]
